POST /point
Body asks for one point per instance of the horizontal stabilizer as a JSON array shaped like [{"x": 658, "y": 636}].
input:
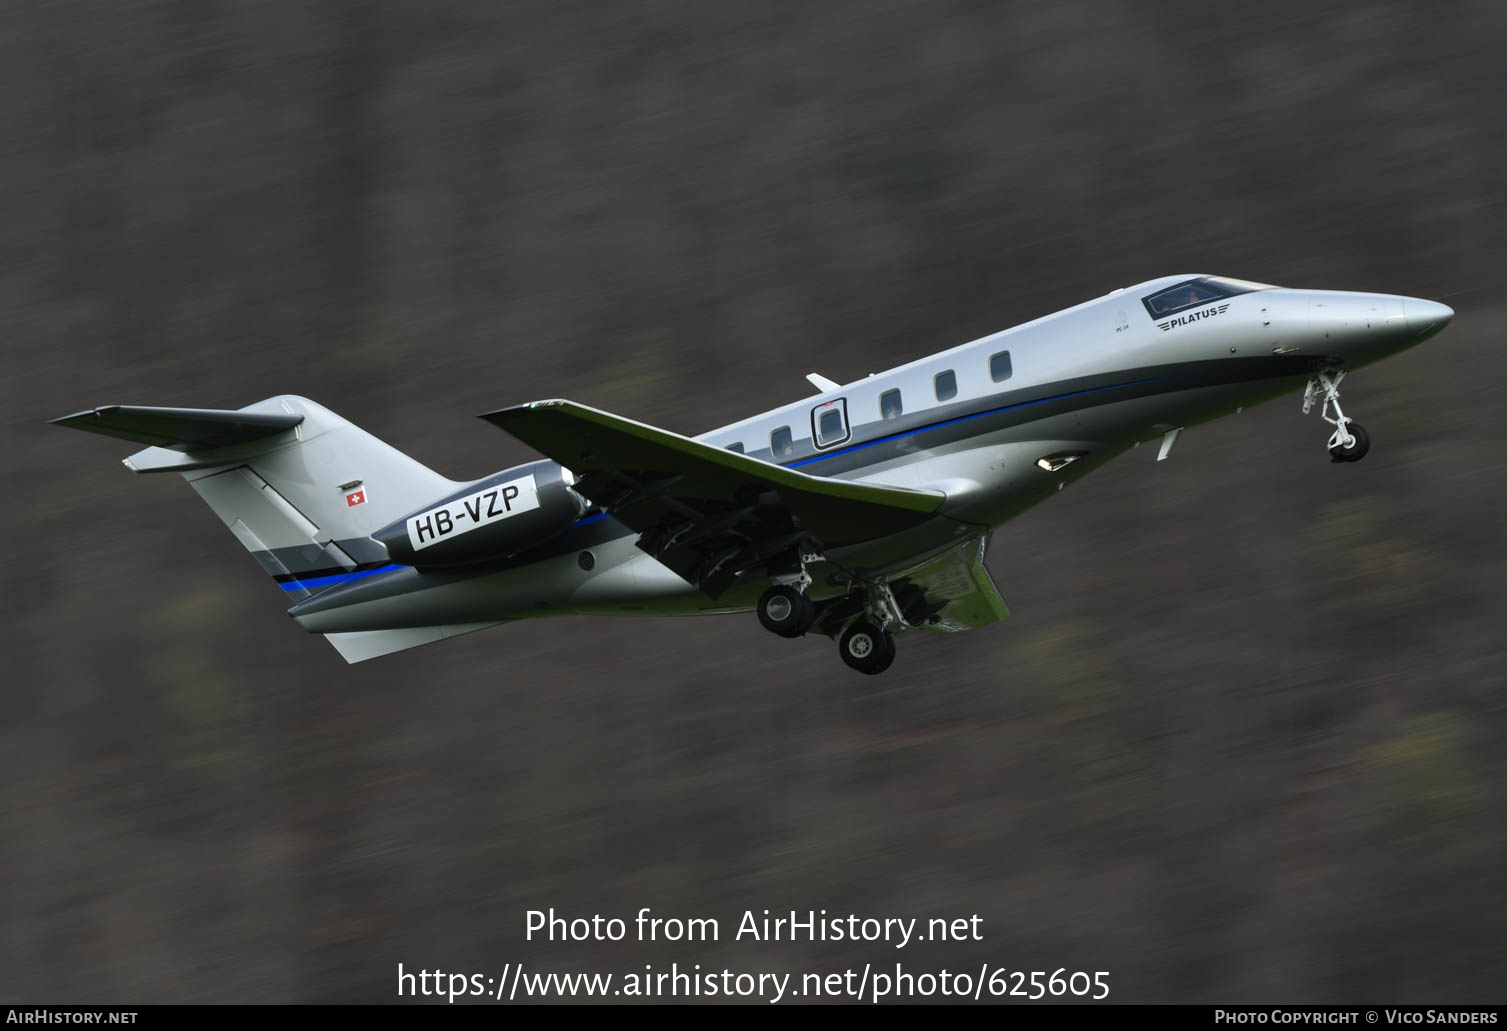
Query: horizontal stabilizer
[
  {"x": 360, "y": 645},
  {"x": 181, "y": 429}
]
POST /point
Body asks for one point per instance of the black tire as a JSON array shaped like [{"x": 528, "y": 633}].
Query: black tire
[
  {"x": 866, "y": 648},
  {"x": 1359, "y": 445},
  {"x": 786, "y": 611}
]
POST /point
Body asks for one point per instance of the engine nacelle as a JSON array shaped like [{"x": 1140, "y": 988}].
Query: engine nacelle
[{"x": 502, "y": 515}]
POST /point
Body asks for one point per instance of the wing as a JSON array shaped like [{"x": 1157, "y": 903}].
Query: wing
[{"x": 708, "y": 513}]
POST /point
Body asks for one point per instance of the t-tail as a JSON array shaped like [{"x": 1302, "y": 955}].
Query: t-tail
[{"x": 301, "y": 488}]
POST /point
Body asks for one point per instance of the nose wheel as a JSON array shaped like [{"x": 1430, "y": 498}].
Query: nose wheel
[
  {"x": 1349, "y": 442},
  {"x": 1355, "y": 450}
]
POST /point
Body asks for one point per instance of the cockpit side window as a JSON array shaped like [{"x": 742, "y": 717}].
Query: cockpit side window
[{"x": 1195, "y": 292}]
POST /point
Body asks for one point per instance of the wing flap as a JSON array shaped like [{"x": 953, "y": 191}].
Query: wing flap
[{"x": 959, "y": 587}]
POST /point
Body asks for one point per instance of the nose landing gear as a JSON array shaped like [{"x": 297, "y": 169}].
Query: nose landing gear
[
  {"x": 1349, "y": 442},
  {"x": 1360, "y": 443}
]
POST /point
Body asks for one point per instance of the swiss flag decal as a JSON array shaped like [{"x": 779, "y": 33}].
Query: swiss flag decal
[{"x": 355, "y": 497}]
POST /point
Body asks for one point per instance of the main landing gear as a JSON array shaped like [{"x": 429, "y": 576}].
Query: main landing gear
[
  {"x": 785, "y": 609},
  {"x": 867, "y": 648},
  {"x": 866, "y": 644},
  {"x": 1348, "y": 443}
]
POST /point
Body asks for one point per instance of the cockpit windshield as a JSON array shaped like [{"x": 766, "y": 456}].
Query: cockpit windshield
[{"x": 1195, "y": 292}]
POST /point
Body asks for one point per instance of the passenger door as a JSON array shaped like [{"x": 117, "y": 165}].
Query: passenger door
[{"x": 829, "y": 423}]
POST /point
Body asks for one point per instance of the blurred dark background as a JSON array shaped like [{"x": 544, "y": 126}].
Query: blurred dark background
[{"x": 1241, "y": 739}]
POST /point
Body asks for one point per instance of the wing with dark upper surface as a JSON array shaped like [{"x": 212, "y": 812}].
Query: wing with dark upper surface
[{"x": 706, "y": 512}]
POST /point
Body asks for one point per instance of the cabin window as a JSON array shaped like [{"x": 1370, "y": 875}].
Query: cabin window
[
  {"x": 999, "y": 367},
  {"x": 780, "y": 443},
  {"x": 946, "y": 384},
  {"x": 737, "y": 446},
  {"x": 890, "y": 406},
  {"x": 829, "y": 422}
]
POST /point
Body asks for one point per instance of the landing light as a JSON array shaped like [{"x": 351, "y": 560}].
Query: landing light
[{"x": 1059, "y": 460}]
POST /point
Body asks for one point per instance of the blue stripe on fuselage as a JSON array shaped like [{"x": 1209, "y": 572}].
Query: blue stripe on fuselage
[{"x": 338, "y": 578}]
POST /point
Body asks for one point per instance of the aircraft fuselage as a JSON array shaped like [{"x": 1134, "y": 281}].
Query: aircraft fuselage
[{"x": 998, "y": 425}]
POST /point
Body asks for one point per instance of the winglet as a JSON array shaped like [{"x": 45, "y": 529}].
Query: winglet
[{"x": 822, "y": 383}]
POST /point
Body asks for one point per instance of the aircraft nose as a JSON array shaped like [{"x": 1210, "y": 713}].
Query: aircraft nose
[{"x": 1425, "y": 318}]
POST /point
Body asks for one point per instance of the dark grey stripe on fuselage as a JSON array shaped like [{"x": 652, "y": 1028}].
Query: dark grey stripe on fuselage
[
  {"x": 593, "y": 531},
  {"x": 939, "y": 425}
]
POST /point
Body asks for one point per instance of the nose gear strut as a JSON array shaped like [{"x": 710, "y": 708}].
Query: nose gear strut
[{"x": 1349, "y": 442}]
